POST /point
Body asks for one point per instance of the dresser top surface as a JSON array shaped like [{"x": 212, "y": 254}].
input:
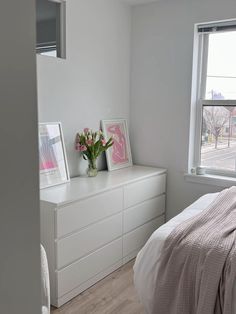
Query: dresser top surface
[{"x": 83, "y": 187}]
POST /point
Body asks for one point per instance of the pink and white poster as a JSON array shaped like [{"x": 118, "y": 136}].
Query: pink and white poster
[
  {"x": 119, "y": 155},
  {"x": 52, "y": 159}
]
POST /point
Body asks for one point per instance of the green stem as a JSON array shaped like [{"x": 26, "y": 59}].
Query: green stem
[{"x": 92, "y": 163}]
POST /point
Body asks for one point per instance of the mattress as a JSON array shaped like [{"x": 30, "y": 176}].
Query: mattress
[{"x": 148, "y": 259}]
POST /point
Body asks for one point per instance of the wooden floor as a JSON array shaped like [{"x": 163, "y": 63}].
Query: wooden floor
[{"x": 113, "y": 295}]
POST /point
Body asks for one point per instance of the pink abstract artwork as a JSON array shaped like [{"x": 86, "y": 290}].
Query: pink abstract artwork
[
  {"x": 47, "y": 156},
  {"x": 119, "y": 152}
]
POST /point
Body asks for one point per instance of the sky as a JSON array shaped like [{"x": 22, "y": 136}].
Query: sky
[{"x": 221, "y": 69}]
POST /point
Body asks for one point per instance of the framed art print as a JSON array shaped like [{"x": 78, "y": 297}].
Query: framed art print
[
  {"x": 53, "y": 166},
  {"x": 119, "y": 155}
]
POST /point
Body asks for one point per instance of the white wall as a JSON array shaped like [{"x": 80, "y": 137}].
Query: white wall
[
  {"x": 162, "y": 49},
  {"x": 19, "y": 200},
  {"x": 93, "y": 83}
]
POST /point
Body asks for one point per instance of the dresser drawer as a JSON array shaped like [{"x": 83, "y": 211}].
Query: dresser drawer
[
  {"x": 144, "y": 212},
  {"x": 85, "y": 212},
  {"x": 143, "y": 190},
  {"x": 74, "y": 247},
  {"x": 74, "y": 275},
  {"x": 137, "y": 238}
]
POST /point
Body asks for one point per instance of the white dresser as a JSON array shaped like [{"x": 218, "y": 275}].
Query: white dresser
[{"x": 92, "y": 226}]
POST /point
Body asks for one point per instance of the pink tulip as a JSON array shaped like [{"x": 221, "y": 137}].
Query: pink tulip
[
  {"x": 82, "y": 148},
  {"x": 86, "y": 130},
  {"x": 103, "y": 142},
  {"x": 77, "y": 146},
  {"x": 89, "y": 142}
]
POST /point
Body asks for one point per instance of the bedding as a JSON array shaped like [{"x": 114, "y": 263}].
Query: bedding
[
  {"x": 148, "y": 260},
  {"x": 45, "y": 287}
]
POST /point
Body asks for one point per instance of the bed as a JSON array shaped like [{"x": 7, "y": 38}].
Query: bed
[
  {"x": 45, "y": 288},
  {"x": 148, "y": 260}
]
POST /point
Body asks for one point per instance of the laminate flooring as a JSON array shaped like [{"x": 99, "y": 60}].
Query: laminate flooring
[{"x": 115, "y": 294}]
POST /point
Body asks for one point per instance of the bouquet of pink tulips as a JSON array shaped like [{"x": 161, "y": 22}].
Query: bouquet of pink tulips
[{"x": 91, "y": 145}]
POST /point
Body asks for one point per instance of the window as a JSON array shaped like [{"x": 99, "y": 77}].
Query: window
[{"x": 215, "y": 138}]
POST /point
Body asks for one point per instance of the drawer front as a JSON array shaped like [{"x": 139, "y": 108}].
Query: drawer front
[
  {"x": 83, "y": 213},
  {"x": 74, "y": 247},
  {"x": 74, "y": 275},
  {"x": 137, "y": 238},
  {"x": 143, "y": 190},
  {"x": 144, "y": 212}
]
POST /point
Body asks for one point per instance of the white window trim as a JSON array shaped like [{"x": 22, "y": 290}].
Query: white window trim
[
  {"x": 200, "y": 55},
  {"x": 209, "y": 179}
]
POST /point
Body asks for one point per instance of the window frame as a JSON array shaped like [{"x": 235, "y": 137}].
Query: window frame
[{"x": 200, "y": 62}]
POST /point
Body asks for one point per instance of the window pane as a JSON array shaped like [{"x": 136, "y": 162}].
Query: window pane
[
  {"x": 221, "y": 68},
  {"x": 218, "y": 146},
  {"x": 219, "y": 88}
]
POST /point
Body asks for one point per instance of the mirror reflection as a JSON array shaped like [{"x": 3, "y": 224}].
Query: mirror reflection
[{"x": 50, "y": 28}]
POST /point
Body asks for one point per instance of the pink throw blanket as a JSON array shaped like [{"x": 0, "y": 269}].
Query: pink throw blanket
[{"x": 198, "y": 265}]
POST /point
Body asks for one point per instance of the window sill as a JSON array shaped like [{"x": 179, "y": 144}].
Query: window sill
[{"x": 213, "y": 180}]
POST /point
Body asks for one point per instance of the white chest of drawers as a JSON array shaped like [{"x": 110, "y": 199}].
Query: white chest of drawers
[{"x": 92, "y": 226}]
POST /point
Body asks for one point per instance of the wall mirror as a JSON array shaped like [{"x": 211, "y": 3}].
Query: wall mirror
[{"x": 51, "y": 28}]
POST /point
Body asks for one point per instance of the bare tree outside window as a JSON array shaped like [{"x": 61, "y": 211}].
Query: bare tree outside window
[
  {"x": 218, "y": 145},
  {"x": 215, "y": 119}
]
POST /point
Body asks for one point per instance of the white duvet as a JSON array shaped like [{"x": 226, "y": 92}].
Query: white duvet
[
  {"x": 148, "y": 260},
  {"x": 45, "y": 286}
]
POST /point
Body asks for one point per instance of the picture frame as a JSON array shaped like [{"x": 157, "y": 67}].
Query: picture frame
[
  {"x": 53, "y": 166},
  {"x": 119, "y": 155}
]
